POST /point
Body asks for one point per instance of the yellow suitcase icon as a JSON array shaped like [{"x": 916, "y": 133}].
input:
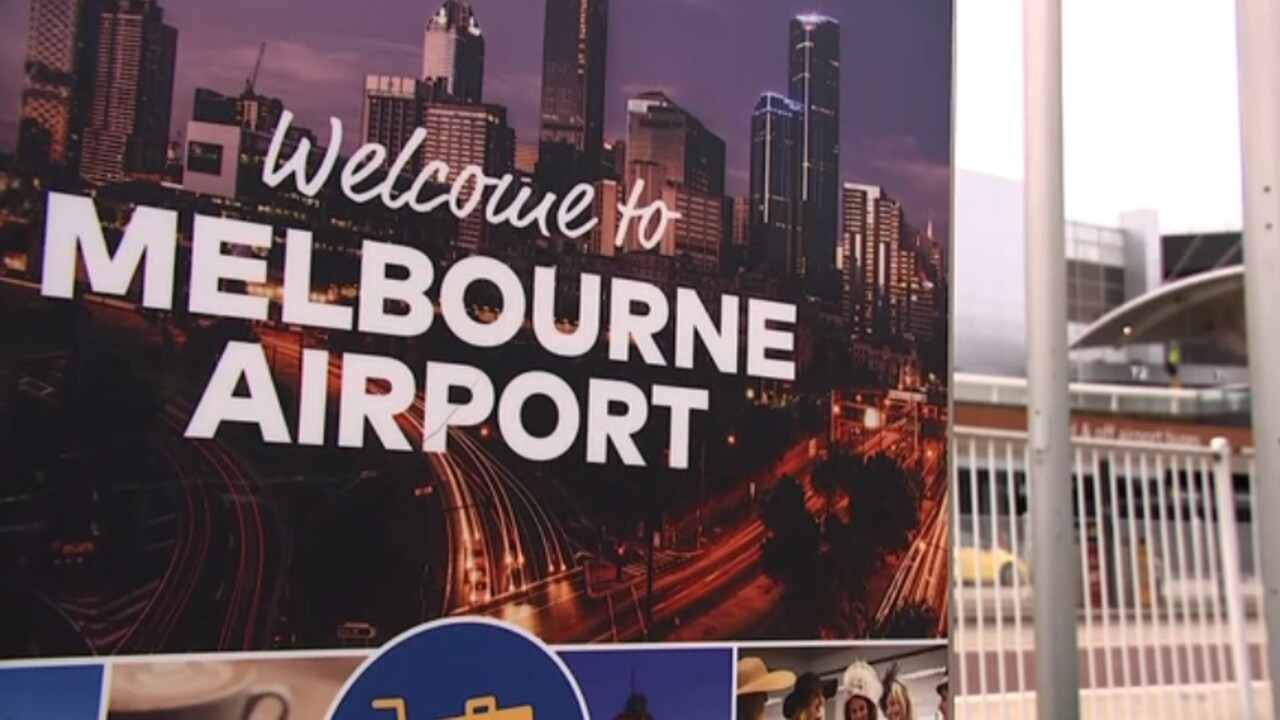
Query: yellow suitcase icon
[{"x": 486, "y": 708}]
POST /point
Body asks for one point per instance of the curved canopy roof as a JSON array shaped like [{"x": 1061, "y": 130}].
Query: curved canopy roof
[{"x": 1208, "y": 306}]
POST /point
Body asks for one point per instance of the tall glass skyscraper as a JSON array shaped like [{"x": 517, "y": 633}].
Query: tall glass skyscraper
[
  {"x": 133, "y": 77},
  {"x": 57, "y": 85},
  {"x": 453, "y": 52},
  {"x": 815, "y": 86},
  {"x": 574, "y": 49},
  {"x": 774, "y": 199}
]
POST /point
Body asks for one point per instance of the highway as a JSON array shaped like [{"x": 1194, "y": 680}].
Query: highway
[{"x": 501, "y": 537}]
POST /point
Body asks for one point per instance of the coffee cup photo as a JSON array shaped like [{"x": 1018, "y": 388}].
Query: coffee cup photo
[{"x": 193, "y": 691}]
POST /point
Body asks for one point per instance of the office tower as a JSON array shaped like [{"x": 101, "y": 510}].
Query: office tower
[
  {"x": 774, "y": 189},
  {"x": 453, "y": 52},
  {"x": 874, "y": 270},
  {"x": 393, "y": 109},
  {"x": 815, "y": 85},
  {"x": 741, "y": 221},
  {"x": 55, "y": 93},
  {"x": 574, "y": 49},
  {"x": 527, "y": 158},
  {"x": 128, "y": 131},
  {"x": 662, "y": 132},
  {"x": 681, "y": 162},
  {"x": 211, "y": 106},
  {"x": 903, "y": 281},
  {"x": 614, "y": 161},
  {"x": 249, "y": 110},
  {"x": 462, "y": 135}
]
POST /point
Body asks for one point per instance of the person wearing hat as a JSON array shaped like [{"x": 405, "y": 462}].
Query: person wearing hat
[
  {"x": 864, "y": 689},
  {"x": 755, "y": 682},
  {"x": 808, "y": 701}
]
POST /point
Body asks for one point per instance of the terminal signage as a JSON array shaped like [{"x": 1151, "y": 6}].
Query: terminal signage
[{"x": 474, "y": 360}]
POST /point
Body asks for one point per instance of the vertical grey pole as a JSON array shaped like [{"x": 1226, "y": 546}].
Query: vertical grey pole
[
  {"x": 1229, "y": 541},
  {"x": 1048, "y": 413},
  {"x": 1258, "y": 31}
]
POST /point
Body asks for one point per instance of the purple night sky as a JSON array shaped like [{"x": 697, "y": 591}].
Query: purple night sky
[{"x": 713, "y": 57}]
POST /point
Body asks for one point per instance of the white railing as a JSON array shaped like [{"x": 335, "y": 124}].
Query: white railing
[
  {"x": 1108, "y": 398},
  {"x": 1164, "y": 627}
]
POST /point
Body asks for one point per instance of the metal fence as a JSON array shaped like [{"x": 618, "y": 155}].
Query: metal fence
[{"x": 1168, "y": 612}]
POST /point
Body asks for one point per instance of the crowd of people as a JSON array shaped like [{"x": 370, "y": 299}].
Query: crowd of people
[{"x": 864, "y": 694}]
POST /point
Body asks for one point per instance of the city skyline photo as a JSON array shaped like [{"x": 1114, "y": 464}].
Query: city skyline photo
[
  {"x": 773, "y": 470},
  {"x": 896, "y": 105}
]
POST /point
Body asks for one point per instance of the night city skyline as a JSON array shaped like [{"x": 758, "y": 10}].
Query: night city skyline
[
  {"x": 895, "y": 111},
  {"x": 808, "y": 497}
]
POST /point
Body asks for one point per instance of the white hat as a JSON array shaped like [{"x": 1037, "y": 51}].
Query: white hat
[{"x": 861, "y": 680}]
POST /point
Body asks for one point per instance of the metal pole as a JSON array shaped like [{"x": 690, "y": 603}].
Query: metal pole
[
  {"x": 1229, "y": 541},
  {"x": 1258, "y": 34},
  {"x": 1048, "y": 414}
]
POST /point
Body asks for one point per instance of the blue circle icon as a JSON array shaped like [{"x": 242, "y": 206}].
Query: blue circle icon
[{"x": 462, "y": 669}]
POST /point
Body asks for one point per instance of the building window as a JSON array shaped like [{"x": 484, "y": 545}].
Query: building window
[{"x": 204, "y": 158}]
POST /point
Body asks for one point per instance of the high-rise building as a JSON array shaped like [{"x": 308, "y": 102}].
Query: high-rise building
[
  {"x": 393, "y": 109},
  {"x": 249, "y": 110},
  {"x": 659, "y": 131},
  {"x": 574, "y": 49},
  {"x": 54, "y": 91},
  {"x": 462, "y": 135},
  {"x": 741, "y": 221},
  {"x": 453, "y": 52},
  {"x": 681, "y": 163},
  {"x": 875, "y": 271},
  {"x": 133, "y": 72},
  {"x": 527, "y": 158},
  {"x": 815, "y": 86},
  {"x": 775, "y": 173}
]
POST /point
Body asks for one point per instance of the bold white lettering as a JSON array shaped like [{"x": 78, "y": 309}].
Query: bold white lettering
[
  {"x": 359, "y": 167},
  {"x": 209, "y": 267},
  {"x": 442, "y": 413},
  {"x": 314, "y": 397},
  {"x": 624, "y": 326},
  {"x": 692, "y": 318},
  {"x": 220, "y": 404},
  {"x": 605, "y": 428},
  {"x": 510, "y": 422},
  {"x": 575, "y": 202},
  {"x": 453, "y": 303},
  {"x": 72, "y": 221},
  {"x": 376, "y": 289},
  {"x": 761, "y": 338},
  {"x": 584, "y": 337},
  {"x": 682, "y": 402},
  {"x": 296, "y": 165},
  {"x": 298, "y": 307},
  {"x": 380, "y": 410}
]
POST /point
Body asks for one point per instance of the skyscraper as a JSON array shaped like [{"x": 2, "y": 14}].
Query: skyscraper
[
  {"x": 128, "y": 132},
  {"x": 460, "y": 135},
  {"x": 574, "y": 48},
  {"x": 54, "y": 91},
  {"x": 662, "y": 132},
  {"x": 881, "y": 267},
  {"x": 681, "y": 163},
  {"x": 815, "y": 85},
  {"x": 393, "y": 109},
  {"x": 453, "y": 52},
  {"x": 775, "y": 173}
]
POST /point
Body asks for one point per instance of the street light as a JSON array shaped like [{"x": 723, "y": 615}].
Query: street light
[{"x": 732, "y": 439}]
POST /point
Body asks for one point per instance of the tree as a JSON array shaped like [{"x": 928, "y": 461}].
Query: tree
[
  {"x": 882, "y": 503},
  {"x": 792, "y": 554}
]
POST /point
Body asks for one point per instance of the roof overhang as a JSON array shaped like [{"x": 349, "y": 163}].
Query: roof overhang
[{"x": 1208, "y": 307}]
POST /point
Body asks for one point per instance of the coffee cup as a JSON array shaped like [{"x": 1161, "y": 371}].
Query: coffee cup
[{"x": 191, "y": 691}]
